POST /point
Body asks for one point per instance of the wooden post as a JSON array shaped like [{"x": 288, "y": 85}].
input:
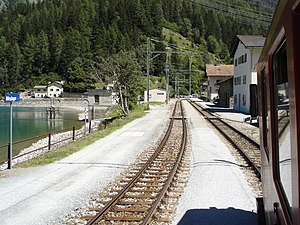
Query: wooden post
[
  {"x": 73, "y": 133},
  {"x": 49, "y": 141},
  {"x": 9, "y": 163}
]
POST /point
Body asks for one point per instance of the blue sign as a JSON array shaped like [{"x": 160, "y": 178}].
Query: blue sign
[{"x": 12, "y": 97}]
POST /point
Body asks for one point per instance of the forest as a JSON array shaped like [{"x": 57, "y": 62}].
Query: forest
[{"x": 91, "y": 43}]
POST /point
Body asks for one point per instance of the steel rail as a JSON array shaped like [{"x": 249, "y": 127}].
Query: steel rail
[
  {"x": 172, "y": 174},
  {"x": 101, "y": 213}
]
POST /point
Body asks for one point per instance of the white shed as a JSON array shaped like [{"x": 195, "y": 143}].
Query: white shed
[{"x": 156, "y": 95}]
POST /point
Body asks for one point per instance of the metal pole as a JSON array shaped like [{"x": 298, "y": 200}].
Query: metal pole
[
  {"x": 190, "y": 70},
  {"x": 167, "y": 81},
  {"x": 85, "y": 120},
  {"x": 148, "y": 71},
  {"x": 10, "y": 138}
]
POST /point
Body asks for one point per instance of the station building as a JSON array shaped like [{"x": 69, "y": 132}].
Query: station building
[{"x": 246, "y": 51}]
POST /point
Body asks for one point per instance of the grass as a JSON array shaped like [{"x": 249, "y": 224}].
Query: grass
[
  {"x": 79, "y": 144},
  {"x": 177, "y": 38}
]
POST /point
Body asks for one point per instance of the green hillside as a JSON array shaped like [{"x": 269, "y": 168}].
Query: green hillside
[{"x": 85, "y": 42}]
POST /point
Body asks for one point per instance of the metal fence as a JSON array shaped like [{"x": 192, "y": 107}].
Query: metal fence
[{"x": 49, "y": 141}]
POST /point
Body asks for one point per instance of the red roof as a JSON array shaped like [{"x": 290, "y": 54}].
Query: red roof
[{"x": 219, "y": 70}]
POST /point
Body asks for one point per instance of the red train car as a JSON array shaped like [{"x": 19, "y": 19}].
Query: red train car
[{"x": 279, "y": 99}]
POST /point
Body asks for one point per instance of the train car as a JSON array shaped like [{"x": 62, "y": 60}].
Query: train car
[{"x": 279, "y": 116}]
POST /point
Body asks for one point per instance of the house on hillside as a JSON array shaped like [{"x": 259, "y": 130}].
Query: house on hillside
[
  {"x": 52, "y": 90},
  {"x": 247, "y": 50},
  {"x": 156, "y": 95},
  {"x": 215, "y": 74}
]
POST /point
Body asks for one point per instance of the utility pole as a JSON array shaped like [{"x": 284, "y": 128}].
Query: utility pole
[
  {"x": 190, "y": 79},
  {"x": 167, "y": 77},
  {"x": 148, "y": 71},
  {"x": 148, "y": 60}
]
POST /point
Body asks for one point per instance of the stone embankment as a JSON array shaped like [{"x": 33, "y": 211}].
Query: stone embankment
[{"x": 76, "y": 103}]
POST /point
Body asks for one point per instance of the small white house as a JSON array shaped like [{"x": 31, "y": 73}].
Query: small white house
[
  {"x": 52, "y": 90},
  {"x": 247, "y": 52},
  {"x": 40, "y": 91},
  {"x": 55, "y": 89},
  {"x": 215, "y": 74},
  {"x": 156, "y": 95}
]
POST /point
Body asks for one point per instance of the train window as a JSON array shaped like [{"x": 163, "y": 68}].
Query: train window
[{"x": 283, "y": 153}]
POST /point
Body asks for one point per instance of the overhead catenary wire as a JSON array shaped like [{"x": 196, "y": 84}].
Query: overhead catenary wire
[{"x": 244, "y": 15}]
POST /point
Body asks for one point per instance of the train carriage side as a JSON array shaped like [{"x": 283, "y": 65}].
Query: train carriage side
[{"x": 279, "y": 100}]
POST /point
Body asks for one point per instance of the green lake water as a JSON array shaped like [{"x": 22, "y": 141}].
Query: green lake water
[{"x": 30, "y": 122}]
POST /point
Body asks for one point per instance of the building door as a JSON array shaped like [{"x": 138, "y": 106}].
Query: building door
[{"x": 97, "y": 99}]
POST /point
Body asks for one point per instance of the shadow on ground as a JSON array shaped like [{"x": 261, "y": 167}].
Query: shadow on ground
[{"x": 214, "y": 216}]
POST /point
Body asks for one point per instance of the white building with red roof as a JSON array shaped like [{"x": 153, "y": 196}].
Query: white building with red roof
[{"x": 215, "y": 74}]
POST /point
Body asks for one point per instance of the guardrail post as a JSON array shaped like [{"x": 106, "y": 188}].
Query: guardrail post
[
  {"x": 73, "y": 133},
  {"x": 49, "y": 141},
  {"x": 9, "y": 162}
]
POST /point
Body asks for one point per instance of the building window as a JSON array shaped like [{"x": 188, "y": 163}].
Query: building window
[
  {"x": 237, "y": 81},
  {"x": 241, "y": 59},
  {"x": 244, "y": 100},
  {"x": 235, "y": 99},
  {"x": 244, "y": 79},
  {"x": 51, "y": 89},
  {"x": 161, "y": 93}
]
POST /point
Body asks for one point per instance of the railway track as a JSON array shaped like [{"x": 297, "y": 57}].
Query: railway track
[
  {"x": 247, "y": 148},
  {"x": 148, "y": 192}
]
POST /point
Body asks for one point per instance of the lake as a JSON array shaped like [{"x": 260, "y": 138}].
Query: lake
[{"x": 29, "y": 122}]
